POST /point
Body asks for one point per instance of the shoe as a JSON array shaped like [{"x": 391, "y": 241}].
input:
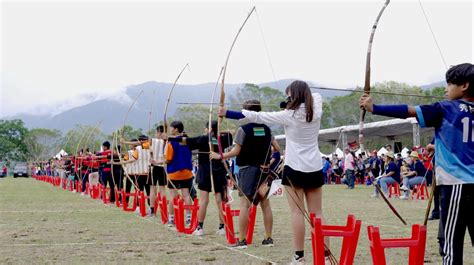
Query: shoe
[
  {"x": 220, "y": 231},
  {"x": 405, "y": 188},
  {"x": 375, "y": 195},
  {"x": 198, "y": 232},
  {"x": 83, "y": 194},
  {"x": 434, "y": 216},
  {"x": 240, "y": 244},
  {"x": 403, "y": 197},
  {"x": 327, "y": 261},
  {"x": 170, "y": 223},
  {"x": 267, "y": 242},
  {"x": 150, "y": 215},
  {"x": 297, "y": 261}
]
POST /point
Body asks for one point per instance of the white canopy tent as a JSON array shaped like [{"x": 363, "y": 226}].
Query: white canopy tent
[
  {"x": 405, "y": 152},
  {"x": 340, "y": 136},
  {"x": 60, "y": 154},
  {"x": 382, "y": 151},
  {"x": 388, "y": 128}
]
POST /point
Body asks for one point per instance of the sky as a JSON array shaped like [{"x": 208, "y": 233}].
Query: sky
[{"x": 60, "y": 54}]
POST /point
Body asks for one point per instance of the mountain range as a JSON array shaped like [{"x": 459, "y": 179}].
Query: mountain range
[{"x": 111, "y": 112}]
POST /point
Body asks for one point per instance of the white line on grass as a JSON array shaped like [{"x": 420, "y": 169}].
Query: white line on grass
[
  {"x": 81, "y": 244},
  {"x": 384, "y": 225},
  {"x": 54, "y": 224},
  {"x": 217, "y": 244},
  {"x": 53, "y": 211}
]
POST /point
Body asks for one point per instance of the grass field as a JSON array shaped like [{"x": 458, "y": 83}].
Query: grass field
[{"x": 40, "y": 223}]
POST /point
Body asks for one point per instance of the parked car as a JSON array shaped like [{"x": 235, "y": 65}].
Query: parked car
[{"x": 20, "y": 170}]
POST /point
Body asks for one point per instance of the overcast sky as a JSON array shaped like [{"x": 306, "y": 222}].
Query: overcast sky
[{"x": 54, "y": 53}]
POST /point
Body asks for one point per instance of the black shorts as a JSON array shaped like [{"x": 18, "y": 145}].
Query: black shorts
[
  {"x": 305, "y": 180},
  {"x": 159, "y": 176},
  {"x": 180, "y": 184},
  {"x": 204, "y": 182},
  {"x": 249, "y": 179}
]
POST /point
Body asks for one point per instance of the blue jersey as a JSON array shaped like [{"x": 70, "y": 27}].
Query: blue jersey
[{"x": 454, "y": 139}]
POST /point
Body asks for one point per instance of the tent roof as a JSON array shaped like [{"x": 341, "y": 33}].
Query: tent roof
[
  {"x": 393, "y": 127},
  {"x": 386, "y": 128}
]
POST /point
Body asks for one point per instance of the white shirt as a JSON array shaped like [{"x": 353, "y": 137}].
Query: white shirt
[
  {"x": 348, "y": 162},
  {"x": 302, "y": 149}
]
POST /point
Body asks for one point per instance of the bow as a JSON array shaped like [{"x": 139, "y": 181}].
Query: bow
[
  {"x": 165, "y": 123},
  {"x": 222, "y": 96},
  {"x": 363, "y": 111},
  {"x": 222, "y": 101},
  {"x": 122, "y": 134}
]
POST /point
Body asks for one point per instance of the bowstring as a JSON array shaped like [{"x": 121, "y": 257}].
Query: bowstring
[{"x": 433, "y": 34}]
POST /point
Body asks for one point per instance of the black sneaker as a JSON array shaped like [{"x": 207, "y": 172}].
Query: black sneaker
[
  {"x": 240, "y": 244},
  {"x": 267, "y": 242},
  {"x": 434, "y": 216}
]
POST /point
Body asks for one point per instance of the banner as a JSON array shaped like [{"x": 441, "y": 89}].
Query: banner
[{"x": 276, "y": 189}]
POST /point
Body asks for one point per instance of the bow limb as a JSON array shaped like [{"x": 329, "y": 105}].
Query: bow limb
[
  {"x": 222, "y": 96},
  {"x": 367, "y": 75},
  {"x": 128, "y": 111},
  {"x": 165, "y": 123},
  {"x": 209, "y": 129},
  {"x": 150, "y": 114}
]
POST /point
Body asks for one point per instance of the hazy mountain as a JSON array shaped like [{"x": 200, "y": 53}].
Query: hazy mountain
[
  {"x": 111, "y": 112},
  {"x": 436, "y": 84}
]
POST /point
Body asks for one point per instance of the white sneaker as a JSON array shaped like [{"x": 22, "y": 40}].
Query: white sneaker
[
  {"x": 375, "y": 195},
  {"x": 170, "y": 223},
  {"x": 198, "y": 232},
  {"x": 295, "y": 261},
  {"x": 73, "y": 191},
  {"x": 403, "y": 197},
  {"x": 327, "y": 261},
  {"x": 83, "y": 194},
  {"x": 405, "y": 188},
  {"x": 220, "y": 231}
]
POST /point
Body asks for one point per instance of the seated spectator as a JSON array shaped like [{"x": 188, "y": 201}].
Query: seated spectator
[
  {"x": 414, "y": 176},
  {"x": 391, "y": 175}
]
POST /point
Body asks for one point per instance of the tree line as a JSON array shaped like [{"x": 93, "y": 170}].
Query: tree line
[{"x": 17, "y": 143}]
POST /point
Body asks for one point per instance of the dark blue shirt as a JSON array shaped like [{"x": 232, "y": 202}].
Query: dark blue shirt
[
  {"x": 393, "y": 167},
  {"x": 419, "y": 168}
]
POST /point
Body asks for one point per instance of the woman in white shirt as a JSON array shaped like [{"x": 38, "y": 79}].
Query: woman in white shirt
[{"x": 302, "y": 174}]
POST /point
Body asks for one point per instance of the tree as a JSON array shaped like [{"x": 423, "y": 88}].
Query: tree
[
  {"x": 194, "y": 118},
  {"x": 12, "y": 140},
  {"x": 344, "y": 110},
  {"x": 42, "y": 143},
  {"x": 269, "y": 97},
  {"x": 82, "y": 137},
  {"x": 129, "y": 132}
]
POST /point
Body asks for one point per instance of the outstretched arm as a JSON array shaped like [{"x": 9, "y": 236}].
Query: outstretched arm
[{"x": 396, "y": 111}]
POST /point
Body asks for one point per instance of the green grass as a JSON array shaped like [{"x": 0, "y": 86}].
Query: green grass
[{"x": 40, "y": 223}]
